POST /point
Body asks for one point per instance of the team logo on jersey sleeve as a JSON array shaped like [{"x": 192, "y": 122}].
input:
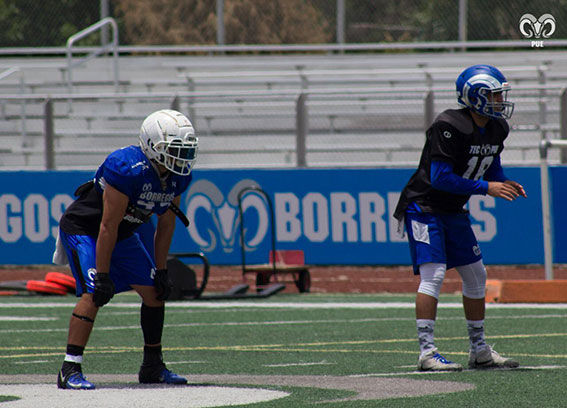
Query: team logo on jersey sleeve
[{"x": 141, "y": 164}]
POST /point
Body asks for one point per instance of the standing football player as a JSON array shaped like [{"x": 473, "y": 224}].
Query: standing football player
[
  {"x": 461, "y": 157},
  {"x": 105, "y": 253}
]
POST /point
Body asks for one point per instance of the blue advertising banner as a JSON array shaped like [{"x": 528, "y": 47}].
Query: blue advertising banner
[{"x": 336, "y": 216}]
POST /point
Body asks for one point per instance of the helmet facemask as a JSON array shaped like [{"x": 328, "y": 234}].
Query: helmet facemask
[
  {"x": 176, "y": 155},
  {"x": 167, "y": 137},
  {"x": 496, "y": 102}
]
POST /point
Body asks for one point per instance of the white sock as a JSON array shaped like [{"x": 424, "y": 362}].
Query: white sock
[
  {"x": 73, "y": 359},
  {"x": 476, "y": 335},
  {"x": 425, "y": 329}
]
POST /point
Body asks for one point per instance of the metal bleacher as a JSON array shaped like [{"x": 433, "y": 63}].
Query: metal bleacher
[{"x": 361, "y": 109}]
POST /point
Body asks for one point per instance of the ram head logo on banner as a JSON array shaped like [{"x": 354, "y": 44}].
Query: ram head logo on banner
[
  {"x": 530, "y": 26},
  {"x": 205, "y": 195}
]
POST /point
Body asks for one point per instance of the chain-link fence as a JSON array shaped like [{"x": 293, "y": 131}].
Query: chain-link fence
[
  {"x": 359, "y": 109},
  {"x": 49, "y": 23}
]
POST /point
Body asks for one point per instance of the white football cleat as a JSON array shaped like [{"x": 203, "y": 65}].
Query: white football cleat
[
  {"x": 433, "y": 361},
  {"x": 488, "y": 358}
]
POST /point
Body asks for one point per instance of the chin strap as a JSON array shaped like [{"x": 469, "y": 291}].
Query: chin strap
[{"x": 177, "y": 211}]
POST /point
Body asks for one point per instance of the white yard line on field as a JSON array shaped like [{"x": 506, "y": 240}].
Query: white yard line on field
[
  {"x": 289, "y": 305},
  {"x": 276, "y": 323},
  {"x": 301, "y": 364},
  {"x": 185, "y": 362}
]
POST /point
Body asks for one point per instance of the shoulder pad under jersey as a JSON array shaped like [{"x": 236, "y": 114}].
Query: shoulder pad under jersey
[
  {"x": 457, "y": 118},
  {"x": 503, "y": 124},
  {"x": 131, "y": 160}
]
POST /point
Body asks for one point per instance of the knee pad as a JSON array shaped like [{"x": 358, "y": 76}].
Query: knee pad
[
  {"x": 474, "y": 279},
  {"x": 432, "y": 276}
]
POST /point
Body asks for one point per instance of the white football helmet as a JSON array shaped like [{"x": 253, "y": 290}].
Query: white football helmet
[{"x": 167, "y": 137}]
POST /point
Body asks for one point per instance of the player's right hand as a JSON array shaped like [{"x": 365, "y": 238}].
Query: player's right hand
[
  {"x": 103, "y": 289},
  {"x": 502, "y": 190},
  {"x": 519, "y": 188}
]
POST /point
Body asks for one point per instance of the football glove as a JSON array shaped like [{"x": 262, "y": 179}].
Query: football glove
[
  {"x": 162, "y": 284},
  {"x": 103, "y": 289}
]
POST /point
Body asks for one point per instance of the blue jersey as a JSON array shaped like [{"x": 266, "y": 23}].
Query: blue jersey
[{"x": 129, "y": 171}]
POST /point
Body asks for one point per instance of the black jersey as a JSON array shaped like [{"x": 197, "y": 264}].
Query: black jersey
[
  {"x": 455, "y": 139},
  {"x": 130, "y": 172}
]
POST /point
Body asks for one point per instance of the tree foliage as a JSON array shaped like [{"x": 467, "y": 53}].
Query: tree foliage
[
  {"x": 160, "y": 22},
  {"x": 195, "y": 22},
  {"x": 274, "y": 22},
  {"x": 37, "y": 23},
  {"x": 32, "y": 23}
]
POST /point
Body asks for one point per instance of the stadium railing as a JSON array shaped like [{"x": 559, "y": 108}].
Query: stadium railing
[
  {"x": 342, "y": 127},
  {"x": 544, "y": 147},
  {"x": 289, "y": 48}
]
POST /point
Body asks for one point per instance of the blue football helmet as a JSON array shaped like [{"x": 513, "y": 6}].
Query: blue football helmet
[{"x": 483, "y": 89}]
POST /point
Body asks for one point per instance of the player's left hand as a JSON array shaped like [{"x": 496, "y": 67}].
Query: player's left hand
[
  {"x": 519, "y": 188},
  {"x": 162, "y": 284},
  {"x": 103, "y": 289}
]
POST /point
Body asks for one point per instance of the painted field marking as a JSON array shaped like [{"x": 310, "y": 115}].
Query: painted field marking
[
  {"x": 339, "y": 350},
  {"x": 185, "y": 362},
  {"x": 47, "y": 395},
  {"x": 276, "y": 322},
  {"x": 318, "y": 363},
  {"x": 542, "y": 367},
  {"x": 288, "y": 349},
  {"x": 361, "y": 342},
  {"x": 362, "y": 389},
  {"x": 266, "y": 347},
  {"x": 26, "y": 319},
  {"x": 22, "y": 348},
  {"x": 289, "y": 305}
]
